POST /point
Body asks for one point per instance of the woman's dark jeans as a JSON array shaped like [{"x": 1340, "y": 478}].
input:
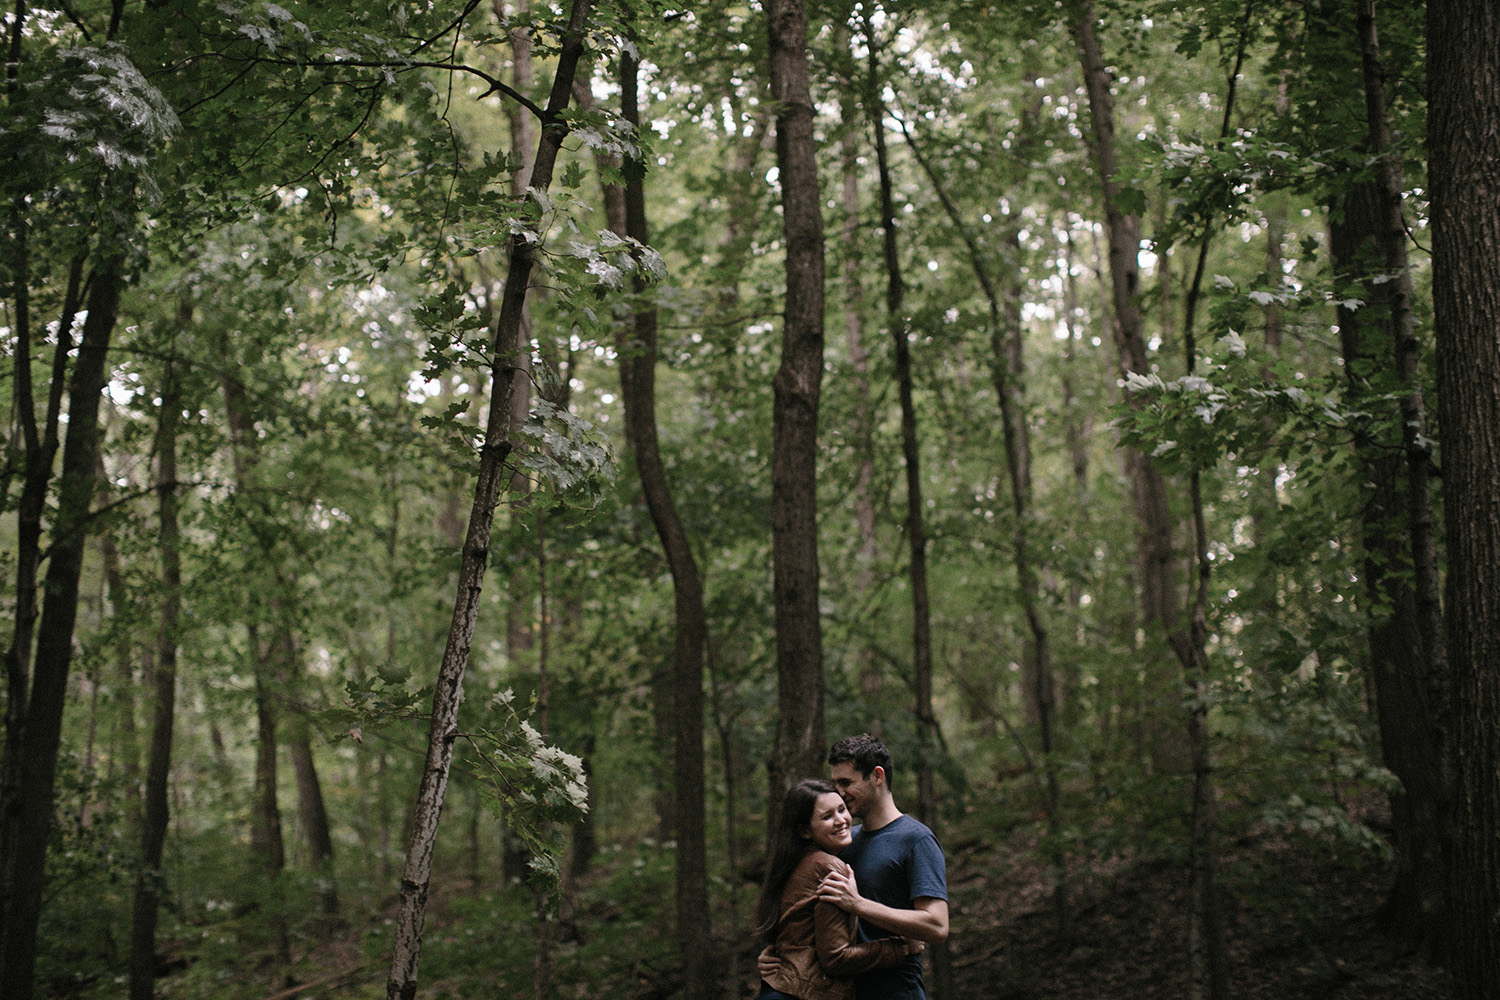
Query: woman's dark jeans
[{"x": 769, "y": 992}]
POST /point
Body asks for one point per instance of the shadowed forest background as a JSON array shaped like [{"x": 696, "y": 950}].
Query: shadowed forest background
[{"x": 463, "y": 460}]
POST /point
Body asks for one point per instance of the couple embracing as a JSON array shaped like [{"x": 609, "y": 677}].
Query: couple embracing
[{"x": 846, "y": 910}]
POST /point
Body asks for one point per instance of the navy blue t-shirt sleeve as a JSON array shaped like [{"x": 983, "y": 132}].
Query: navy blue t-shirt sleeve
[{"x": 929, "y": 873}]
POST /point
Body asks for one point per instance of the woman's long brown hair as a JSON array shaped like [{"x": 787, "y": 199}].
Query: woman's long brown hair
[{"x": 788, "y": 845}]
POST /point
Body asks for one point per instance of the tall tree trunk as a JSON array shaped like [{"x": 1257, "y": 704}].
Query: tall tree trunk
[
  {"x": 42, "y": 735},
  {"x": 637, "y": 358},
  {"x": 916, "y": 529},
  {"x": 40, "y": 453},
  {"x": 417, "y": 873},
  {"x": 284, "y": 664},
  {"x": 541, "y": 966},
  {"x": 1155, "y": 566},
  {"x": 1463, "y": 56},
  {"x": 129, "y": 752},
  {"x": 1410, "y": 737},
  {"x": 522, "y": 624},
  {"x": 1078, "y": 428},
  {"x": 1007, "y": 360},
  {"x": 1207, "y": 972},
  {"x": 1206, "y": 947},
  {"x": 313, "y": 812},
  {"x": 267, "y": 843},
  {"x": 520, "y": 615},
  {"x": 866, "y": 668},
  {"x": 159, "y": 764},
  {"x": 797, "y": 385}
]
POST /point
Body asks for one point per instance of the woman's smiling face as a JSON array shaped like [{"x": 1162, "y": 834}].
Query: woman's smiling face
[{"x": 830, "y": 825}]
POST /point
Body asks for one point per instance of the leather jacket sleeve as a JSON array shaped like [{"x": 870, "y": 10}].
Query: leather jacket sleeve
[{"x": 839, "y": 950}]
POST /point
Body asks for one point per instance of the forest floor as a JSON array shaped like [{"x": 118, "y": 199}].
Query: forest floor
[{"x": 1299, "y": 926}]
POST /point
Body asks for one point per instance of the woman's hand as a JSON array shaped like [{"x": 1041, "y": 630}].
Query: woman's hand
[{"x": 914, "y": 947}]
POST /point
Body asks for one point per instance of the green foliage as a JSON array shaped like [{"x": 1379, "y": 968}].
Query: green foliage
[
  {"x": 91, "y": 873},
  {"x": 99, "y": 105},
  {"x": 529, "y": 784}
]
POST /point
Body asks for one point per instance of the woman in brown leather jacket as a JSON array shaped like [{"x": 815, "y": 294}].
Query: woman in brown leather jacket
[{"x": 817, "y": 942}]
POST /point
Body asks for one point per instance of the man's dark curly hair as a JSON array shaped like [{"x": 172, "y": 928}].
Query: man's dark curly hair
[{"x": 865, "y": 752}]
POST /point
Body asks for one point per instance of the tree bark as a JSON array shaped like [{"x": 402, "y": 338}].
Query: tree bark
[
  {"x": 1007, "y": 360},
  {"x": 522, "y": 622},
  {"x": 38, "y": 750},
  {"x": 1206, "y": 947},
  {"x": 637, "y": 356},
  {"x": 267, "y": 843},
  {"x": 1155, "y": 566},
  {"x": 866, "y": 668},
  {"x": 417, "y": 874},
  {"x": 147, "y": 901},
  {"x": 797, "y": 386},
  {"x": 1155, "y": 561},
  {"x": 40, "y": 453},
  {"x": 129, "y": 747},
  {"x": 1463, "y": 144},
  {"x": 916, "y": 530},
  {"x": 1410, "y": 656},
  {"x": 313, "y": 811}
]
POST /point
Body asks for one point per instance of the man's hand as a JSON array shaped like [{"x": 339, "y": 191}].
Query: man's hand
[
  {"x": 768, "y": 964},
  {"x": 914, "y": 947},
  {"x": 838, "y": 887}
]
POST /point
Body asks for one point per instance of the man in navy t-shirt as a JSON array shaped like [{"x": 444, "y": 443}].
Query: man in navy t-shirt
[{"x": 900, "y": 885}]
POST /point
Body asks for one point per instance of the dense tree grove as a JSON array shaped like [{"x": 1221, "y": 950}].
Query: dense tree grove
[{"x": 470, "y": 458}]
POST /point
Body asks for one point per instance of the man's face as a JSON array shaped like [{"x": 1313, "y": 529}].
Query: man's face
[{"x": 857, "y": 790}]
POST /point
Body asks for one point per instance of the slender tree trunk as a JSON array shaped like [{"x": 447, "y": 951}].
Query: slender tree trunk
[
  {"x": 1264, "y": 493},
  {"x": 522, "y": 624},
  {"x": 159, "y": 764},
  {"x": 637, "y": 354},
  {"x": 520, "y": 619},
  {"x": 39, "y": 456},
  {"x": 1159, "y": 593},
  {"x": 1463, "y": 56},
  {"x": 313, "y": 812},
  {"x": 267, "y": 843},
  {"x": 42, "y": 735},
  {"x": 541, "y": 966},
  {"x": 284, "y": 663},
  {"x": 1077, "y": 431},
  {"x": 1418, "y": 906},
  {"x": 916, "y": 529},
  {"x": 1007, "y": 360},
  {"x": 129, "y": 753},
  {"x": 797, "y": 385},
  {"x": 417, "y": 873},
  {"x": 1155, "y": 565},
  {"x": 866, "y": 668},
  {"x": 1206, "y": 947}
]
